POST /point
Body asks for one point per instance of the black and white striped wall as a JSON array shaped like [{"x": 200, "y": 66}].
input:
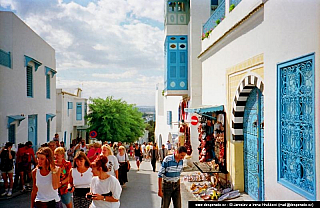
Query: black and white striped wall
[{"x": 239, "y": 103}]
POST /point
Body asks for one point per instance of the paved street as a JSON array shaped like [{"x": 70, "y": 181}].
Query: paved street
[{"x": 141, "y": 191}]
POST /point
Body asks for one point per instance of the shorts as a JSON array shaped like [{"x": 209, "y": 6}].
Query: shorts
[
  {"x": 137, "y": 158},
  {"x": 10, "y": 171},
  {"x": 66, "y": 198}
]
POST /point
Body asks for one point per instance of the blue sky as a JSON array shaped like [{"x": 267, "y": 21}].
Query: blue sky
[{"x": 106, "y": 47}]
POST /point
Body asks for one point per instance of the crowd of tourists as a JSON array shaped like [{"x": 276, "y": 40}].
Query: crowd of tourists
[{"x": 82, "y": 176}]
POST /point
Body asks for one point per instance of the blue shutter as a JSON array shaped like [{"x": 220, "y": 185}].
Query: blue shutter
[
  {"x": 29, "y": 82},
  {"x": 5, "y": 58},
  {"x": 169, "y": 117},
  {"x": 48, "y": 130},
  {"x": 12, "y": 133},
  {"x": 176, "y": 64},
  {"x": 48, "y": 85},
  {"x": 70, "y": 105},
  {"x": 65, "y": 138},
  {"x": 79, "y": 112}
]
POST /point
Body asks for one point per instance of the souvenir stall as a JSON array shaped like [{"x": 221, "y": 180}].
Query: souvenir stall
[
  {"x": 184, "y": 129},
  {"x": 211, "y": 181}
]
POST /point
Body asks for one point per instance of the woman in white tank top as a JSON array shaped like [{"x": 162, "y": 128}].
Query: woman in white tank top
[
  {"x": 80, "y": 179},
  {"x": 46, "y": 179}
]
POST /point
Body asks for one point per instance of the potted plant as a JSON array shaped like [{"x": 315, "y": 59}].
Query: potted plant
[{"x": 232, "y": 6}]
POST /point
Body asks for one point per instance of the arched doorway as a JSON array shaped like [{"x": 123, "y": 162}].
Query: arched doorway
[{"x": 253, "y": 123}]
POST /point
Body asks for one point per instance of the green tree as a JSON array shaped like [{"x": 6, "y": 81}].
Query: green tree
[{"x": 115, "y": 120}]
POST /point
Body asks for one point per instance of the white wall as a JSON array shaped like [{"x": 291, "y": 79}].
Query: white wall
[
  {"x": 20, "y": 40},
  {"x": 170, "y": 103},
  {"x": 281, "y": 30}
]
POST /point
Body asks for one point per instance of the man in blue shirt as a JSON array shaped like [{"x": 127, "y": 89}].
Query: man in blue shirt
[{"x": 169, "y": 178}]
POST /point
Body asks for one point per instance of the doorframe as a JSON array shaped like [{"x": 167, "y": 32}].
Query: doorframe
[{"x": 244, "y": 88}]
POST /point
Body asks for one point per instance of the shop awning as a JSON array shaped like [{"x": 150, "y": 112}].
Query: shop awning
[
  {"x": 14, "y": 118},
  {"x": 205, "y": 109},
  {"x": 50, "y": 116}
]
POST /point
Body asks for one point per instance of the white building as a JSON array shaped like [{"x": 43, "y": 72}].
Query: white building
[
  {"x": 183, "y": 74},
  {"x": 28, "y": 83},
  {"x": 166, "y": 126},
  {"x": 71, "y": 110},
  {"x": 261, "y": 61},
  {"x": 259, "y": 64}
]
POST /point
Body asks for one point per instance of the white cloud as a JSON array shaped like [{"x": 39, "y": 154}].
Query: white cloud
[
  {"x": 104, "y": 34},
  {"x": 127, "y": 74}
]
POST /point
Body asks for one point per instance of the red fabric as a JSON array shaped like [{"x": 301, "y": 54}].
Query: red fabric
[
  {"x": 22, "y": 151},
  {"x": 93, "y": 152}
]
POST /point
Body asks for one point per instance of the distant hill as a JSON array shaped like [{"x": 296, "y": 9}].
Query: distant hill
[{"x": 147, "y": 109}]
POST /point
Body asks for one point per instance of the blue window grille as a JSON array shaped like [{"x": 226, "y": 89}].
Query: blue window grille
[
  {"x": 5, "y": 58},
  {"x": 29, "y": 82},
  {"x": 296, "y": 126},
  {"x": 12, "y": 133},
  {"x": 48, "y": 86},
  {"x": 48, "y": 130},
  {"x": 79, "y": 112},
  {"x": 169, "y": 117}
]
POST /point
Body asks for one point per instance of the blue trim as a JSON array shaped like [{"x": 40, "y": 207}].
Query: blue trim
[
  {"x": 286, "y": 183},
  {"x": 47, "y": 70},
  {"x": 36, "y": 63},
  {"x": 14, "y": 118},
  {"x": 50, "y": 116}
]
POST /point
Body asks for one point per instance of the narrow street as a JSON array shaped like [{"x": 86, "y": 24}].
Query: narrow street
[{"x": 140, "y": 192}]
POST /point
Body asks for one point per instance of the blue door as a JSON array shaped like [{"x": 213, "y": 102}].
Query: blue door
[
  {"x": 253, "y": 123},
  {"x": 32, "y": 130}
]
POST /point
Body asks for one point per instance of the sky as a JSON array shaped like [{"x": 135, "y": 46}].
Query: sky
[{"x": 105, "y": 47}]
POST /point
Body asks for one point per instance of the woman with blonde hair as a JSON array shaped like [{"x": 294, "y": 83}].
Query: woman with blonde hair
[
  {"x": 123, "y": 159},
  {"x": 65, "y": 167},
  {"x": 80, "y": 179},
  {"x": 46, "y": 178},
  {"x": 105, "y": 189},
  {"x": 113, "y": 164}
]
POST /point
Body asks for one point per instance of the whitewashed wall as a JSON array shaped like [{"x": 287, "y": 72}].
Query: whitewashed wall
[
  {"x": 281, "y": 30},
  {"x": 20, "y": 40}
]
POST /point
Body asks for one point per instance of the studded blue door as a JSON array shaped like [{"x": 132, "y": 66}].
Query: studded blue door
[{"x": 253, "y": 123}]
